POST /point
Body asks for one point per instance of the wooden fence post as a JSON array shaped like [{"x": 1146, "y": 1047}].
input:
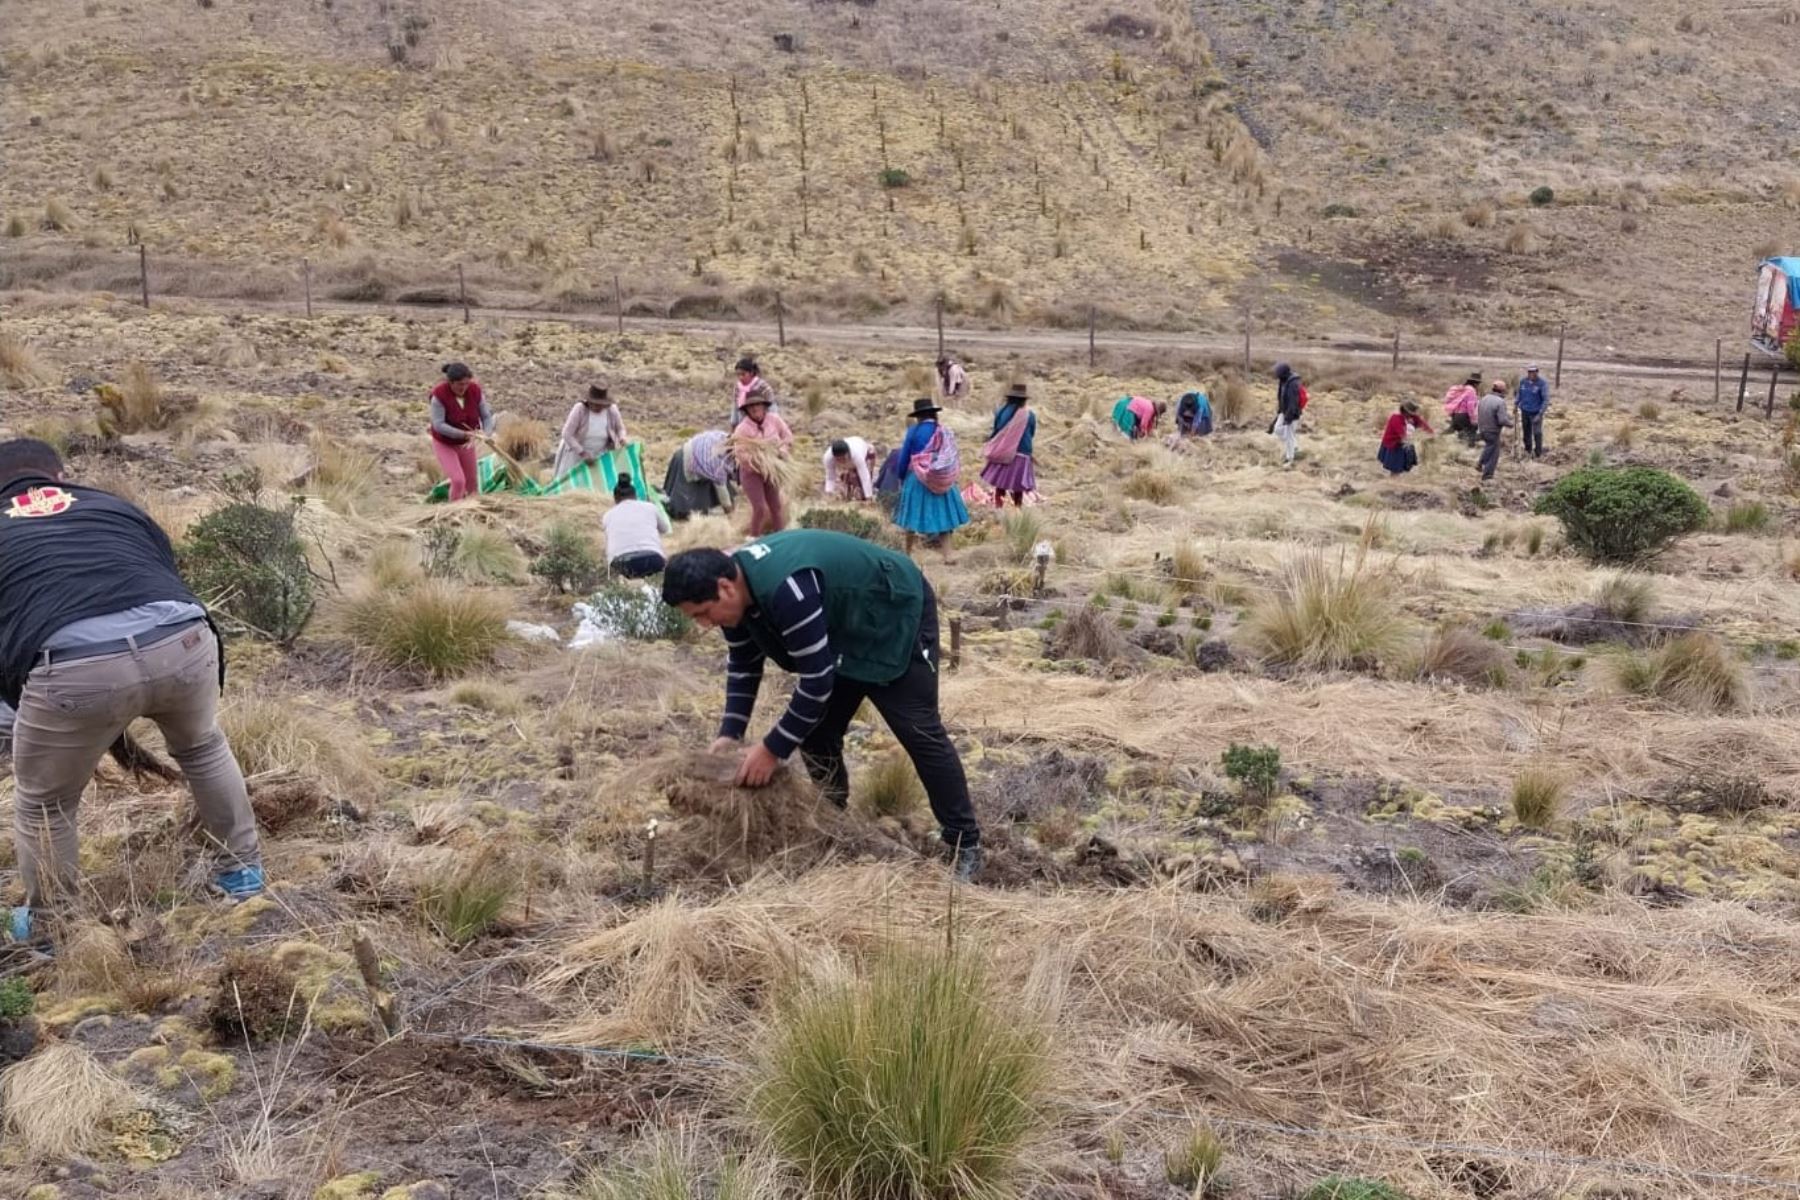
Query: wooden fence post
[
  {"x": 619, "y": 302},
  {"x": 940, "y": 323},
  {"x": 144, "y": 271},
  {"x": 1396, "y": 349},
  {"x": 1091, "y": 318},
  {"x": 462, "y": 290},
  {"x": 1774, "y": 376},
  {"x": 306, "y": 274},
  {"x": 780, "y": 321},
  {"x": 955, "y": 642},
  {"x": 1561, "y": 336},
  {"x": 1246, "y": 342},
  {"x": 1743, "y": 382},
  {"x": 1718, "y": 370}
]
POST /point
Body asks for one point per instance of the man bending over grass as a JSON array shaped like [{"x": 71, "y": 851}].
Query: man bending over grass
[
  {"x": 852, "y": 621},
  {"x": 97, "y": 629}
]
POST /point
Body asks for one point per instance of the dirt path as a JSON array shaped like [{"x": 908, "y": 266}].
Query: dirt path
[{"x": 1339, "y": 349}]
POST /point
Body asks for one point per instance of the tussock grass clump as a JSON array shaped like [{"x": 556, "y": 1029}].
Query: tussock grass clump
[
  {"x": 1233, "y": 400},
  {"x": 57, "y": 217},
  {"x": 1349, "y": 1187},
  {"x": 674, "y": 1168},
  {"x": 1459, "y": 654},
  {"x": 270, "y": 735},
  {"x": 1192, "y": 1164},
  {"x": 912, "y": 1083},
  {"x": 889, "y": 787},
  {"x": 1023, "y": 530},
  {"x": 258, "y": 999},
  {"x": 523, "y": 438},
  {"x": 1747, "y": 516},
  {"x": 342, "y": 474},
  {"x": 1153, "y": 486},
  {"x": 1695, "y": 671},
  {"x": 444, "y": 628},
  {"x": 1483, "y": 214},
  {"x": 1628, "y": 597},
  {"x": 1326, "y": 615},
  {"x": 21, "y": 366},
  {"x": 59, "y": 1102},
  {"x": 1537, "y": 797},
  {"x": 1090, "y": 634},
  {"x": 468, "y": 903},
  {"x": 1522, "y": 239},
  {"x": 485, "y": 555},
  {"x": 137, "y": 403},
  {"x": 1187, "y": 568}
]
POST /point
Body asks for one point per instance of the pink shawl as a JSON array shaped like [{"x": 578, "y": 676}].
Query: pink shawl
[
  {"x": 1003, "y": 447},
  {"x": 939, "y": 465}
]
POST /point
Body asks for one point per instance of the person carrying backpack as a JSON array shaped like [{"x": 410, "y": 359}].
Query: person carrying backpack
[{"x": 1288, "y": 408}]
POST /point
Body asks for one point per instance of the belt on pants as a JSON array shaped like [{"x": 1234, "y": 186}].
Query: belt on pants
[{"x": 144, "y": 641}]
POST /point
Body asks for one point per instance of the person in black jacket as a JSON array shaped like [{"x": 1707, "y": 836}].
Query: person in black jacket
[
  {"x": 97, "y": 629},
  {"x": 1287, "y": 412}
]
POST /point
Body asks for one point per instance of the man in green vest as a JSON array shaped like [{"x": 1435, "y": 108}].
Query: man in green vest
[{"x": 852, "y": 621}]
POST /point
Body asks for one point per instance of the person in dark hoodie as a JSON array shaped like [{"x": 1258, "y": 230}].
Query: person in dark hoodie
[
  {"x": 97, "y": 629},
  {"x": 1287, "y": 412}
]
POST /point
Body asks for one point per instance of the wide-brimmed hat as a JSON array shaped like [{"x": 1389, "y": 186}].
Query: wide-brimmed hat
[
  {"x": 1531, "y": 368},
  {"x": 923, "y": 407},
  {"x": 1474, "y": 377},
  {"x": 597, "y": 393},
  {"x": 1017, "y": 391},
  {"x": 1410, "y": 406}
]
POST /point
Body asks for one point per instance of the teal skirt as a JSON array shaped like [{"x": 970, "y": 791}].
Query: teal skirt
[{"x": 923, "y": 511}]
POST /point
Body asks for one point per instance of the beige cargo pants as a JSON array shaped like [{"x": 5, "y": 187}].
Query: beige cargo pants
[{"x": 71, "y": 712}]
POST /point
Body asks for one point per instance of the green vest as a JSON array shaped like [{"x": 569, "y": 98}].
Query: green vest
[{"x": 874, "y": 599}]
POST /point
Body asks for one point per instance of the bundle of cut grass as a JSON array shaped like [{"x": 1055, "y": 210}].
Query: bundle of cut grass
[
  {"x": 768, "y": 460},
  {"x": 59, "y": 1102},
  {"x": 731, "y": 829}
]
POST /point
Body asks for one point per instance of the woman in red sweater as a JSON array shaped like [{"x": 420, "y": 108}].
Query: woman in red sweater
[
  {"x": 1397, "y": 453},
  {"x": 458, "y": 409}
]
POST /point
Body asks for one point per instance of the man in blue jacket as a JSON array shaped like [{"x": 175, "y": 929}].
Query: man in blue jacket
[
  {"x": 1532, "y": 401},
  {"x": 97, "y": 629}
]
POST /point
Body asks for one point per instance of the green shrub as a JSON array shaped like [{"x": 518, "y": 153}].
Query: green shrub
[
  {"x": 1622, "y": 514},
  {"x": 569, "y": 562},
  {"x": 1335, "y": 210},
  {"x": 636, "y": 613},
  {"x": 1256, "y": 769},
  {"x": 894, "y": 177},
  {"x": 1792, "y": 349},
  {"x": 17, "y": 1000},
  {"x": 913, "y": 1083},
  {"x": 1347, "y": 1187},
  {"x": 444, "y": 628},
  {"x": 853, "y": 521},
  {"x": 1192, "y": 1164},
  {"x": 1541, "y": 196},
  {"x": 1747, "y": 516},
  {"x": 246, "y": 562}
]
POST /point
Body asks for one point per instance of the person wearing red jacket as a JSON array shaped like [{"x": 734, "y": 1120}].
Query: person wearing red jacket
[
  {"x": 1397, "y": 452},
  {"x": 458, "y": 409}
]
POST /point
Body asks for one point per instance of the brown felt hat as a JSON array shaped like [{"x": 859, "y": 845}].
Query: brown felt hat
[
  {"x": 923, "y": 407},
  {"x": 1017, "y": 392},
  {"x": 597, "y": 391}
]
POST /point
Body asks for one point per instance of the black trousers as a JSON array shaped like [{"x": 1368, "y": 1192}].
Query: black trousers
[
  {"x": 1490, "y": 454},
  {"x": 910, "y": 707},
  {"x": 641, "y": 565},
  {"x": 1533, "y": 426}
]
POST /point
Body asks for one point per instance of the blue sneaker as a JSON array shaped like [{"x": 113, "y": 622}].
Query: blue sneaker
[
  {"x": 18, "y": 924},
  {"x": 241, "y": 884}
]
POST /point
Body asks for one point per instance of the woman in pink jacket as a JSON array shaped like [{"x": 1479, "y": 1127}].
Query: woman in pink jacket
[
  {"x": 759, "y": 424},
  {"x": 592, "y": 428}
]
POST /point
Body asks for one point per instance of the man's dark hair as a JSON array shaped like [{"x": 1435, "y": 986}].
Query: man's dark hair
[
  {"x": 28, "y": 456},
  {"x": 840, "y": 448},
  {"x": 693, "y": 576},
  {"x": 747, "y": 363}
]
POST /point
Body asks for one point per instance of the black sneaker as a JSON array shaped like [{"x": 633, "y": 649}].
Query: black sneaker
[{"x": 968, "y": 863}]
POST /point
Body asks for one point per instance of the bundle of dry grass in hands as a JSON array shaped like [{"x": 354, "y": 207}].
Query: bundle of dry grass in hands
[{"x": 769, "y": 460}]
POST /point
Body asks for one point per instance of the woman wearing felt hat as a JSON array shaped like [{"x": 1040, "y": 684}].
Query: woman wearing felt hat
[
  {"x": 1009, "y": 469},
  {"x": 931, "y": 503},
  {"x": 593, "y": 428}
]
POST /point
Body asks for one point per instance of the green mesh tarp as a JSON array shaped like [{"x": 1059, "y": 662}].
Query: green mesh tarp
[{"x": 601, "y": 477}]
